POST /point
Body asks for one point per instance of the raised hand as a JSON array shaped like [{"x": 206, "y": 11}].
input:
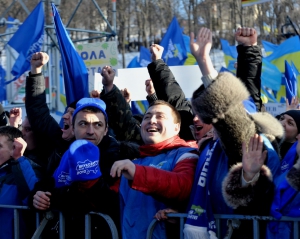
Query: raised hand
[
  {"x": 149, "y": 87},
  {"x": 246, "y": 36},
  {"x": 253, "y": 156},
  {"x": 19, "y": 147},
  {"x": 108, "y": 75},
  {"x": 126, "y": 94},
  {"x": 38, "y": 59},
  {"x": 95, "y": 94},
  {"x": 156, "y": 52},
  {"x": 294, "y": 105},
  {"x": 15, "y": 117},
  {"x": 201, "y": 47}
]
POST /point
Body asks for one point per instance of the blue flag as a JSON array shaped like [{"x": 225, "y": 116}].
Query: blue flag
[
  {"x": 134, "y": 63},
  {"x": 230, "y": 54},
  {"x": 290, "y": 82},
  {"x": 27, "y": 40},
  {"x": 174, "y": 53},
  {"x": 2, "y": 84},
  {"x": 145, "y": 57},
  {"x": 270, "y": 76},
  {"x": 288, "y": 50},
  {"x": 269, "y": 47},
  {"x": 75, "y": 72}
]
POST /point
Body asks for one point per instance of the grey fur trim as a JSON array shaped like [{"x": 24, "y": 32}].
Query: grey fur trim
[
  {"x": 267, "y": 124},
  {"x": 293, "y": 176},
  {"x": 233, "y": 130},
  {"x": 233, "y": 193},
  {"x": 219, "y": 97}
]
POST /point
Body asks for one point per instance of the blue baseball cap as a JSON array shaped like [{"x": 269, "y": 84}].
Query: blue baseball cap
[{"x": 91, "y": 102}]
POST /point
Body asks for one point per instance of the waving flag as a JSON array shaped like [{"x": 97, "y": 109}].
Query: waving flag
[
  {"x": 230, "y": 54},
  {"x": 269, "y": 47},
  {"x": 75, "y": 72},
  {"x": 290, "y": 82},
  {"x": 190, "y": 60},
  {"x": 2, "y": 84},
  {"x": 288, "y": 50},
  {"x": 270, "y": 76},
  {"x": 134, "y": 63},
  {"x": 174, "y": 48},
  {"x": 27, "y": 40},
  {"x": 145, "y": 57}
]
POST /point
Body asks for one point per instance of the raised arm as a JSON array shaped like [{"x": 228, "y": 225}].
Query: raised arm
[
  {"x": 200, "y": 50},
  {"x": 42, "y": 123},
  {"x": 167, "y": 88},
  {"x": 249, "y": 62},
  {"x": 120, "y": 118}
]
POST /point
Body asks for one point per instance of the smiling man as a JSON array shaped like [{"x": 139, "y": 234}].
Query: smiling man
[{"x": 163, "y": 175}]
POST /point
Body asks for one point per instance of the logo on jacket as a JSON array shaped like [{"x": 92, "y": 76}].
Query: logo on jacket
[{"x": 158, "y": 165}]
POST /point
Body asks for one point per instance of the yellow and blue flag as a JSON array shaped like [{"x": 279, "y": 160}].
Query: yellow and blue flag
[
  {"x": 230, "y": 54},
  {"x": 175, "y": 52},
  {"x": 74, "y": 69},
  {"x": 288, "y": 50},
  {"x": 270, "y": 76},
  {"x": 190, "y": 60},
  {"x": 27, "y": 40},
  {"x": 269, "y": 47}
]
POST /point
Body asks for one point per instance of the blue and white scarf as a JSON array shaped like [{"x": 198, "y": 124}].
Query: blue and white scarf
[{"x": 200, "y": 222}]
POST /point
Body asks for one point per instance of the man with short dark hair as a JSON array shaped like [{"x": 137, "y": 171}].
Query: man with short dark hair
[{"x": 163, "y": 175}]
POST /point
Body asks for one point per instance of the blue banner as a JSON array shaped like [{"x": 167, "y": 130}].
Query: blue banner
[{"x": 74, "y": 69}]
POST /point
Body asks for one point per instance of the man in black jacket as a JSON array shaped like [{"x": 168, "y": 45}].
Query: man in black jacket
[{"x": 57, "y": 141}]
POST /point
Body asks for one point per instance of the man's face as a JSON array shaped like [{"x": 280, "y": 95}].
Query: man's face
[
  {"x": 201, "y": 129},
  {"x": 28, "y": 135},
  {"x": 158, "y": 125},
  {"x": 6, "y": 149},
  {"x": 68, "y": 129},
  {"x": 90, "y": 126}
]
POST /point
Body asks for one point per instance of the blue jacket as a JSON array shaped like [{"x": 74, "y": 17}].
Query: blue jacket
[
  {"x": 286, "y": 201},
  {"x": 137, "y": 208},
  {"x": 17, "y": 179}
]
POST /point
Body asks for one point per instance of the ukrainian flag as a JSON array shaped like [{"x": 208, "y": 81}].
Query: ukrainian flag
[
  {"x": 230, "y": 54},
  {"x": 288, "y": 50},
  {"x": 269, "y": 47}
]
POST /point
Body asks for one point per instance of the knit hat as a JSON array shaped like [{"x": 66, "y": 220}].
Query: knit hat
[
  {"x": 83, "y": 157},
  {"x": 91, "y": 102},
  {"x": 295, "y": 114}
]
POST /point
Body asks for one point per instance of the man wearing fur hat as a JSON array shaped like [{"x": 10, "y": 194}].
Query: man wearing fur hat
[{"x": 240, "y": 163}]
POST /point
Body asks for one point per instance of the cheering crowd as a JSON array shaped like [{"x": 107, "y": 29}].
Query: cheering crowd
[{"x": 217, "y": 153}]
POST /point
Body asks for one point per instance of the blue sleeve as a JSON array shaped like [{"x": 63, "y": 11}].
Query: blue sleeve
[
  {"x": 273, "y": 161},
  {"x": 25, "y": 176}
]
